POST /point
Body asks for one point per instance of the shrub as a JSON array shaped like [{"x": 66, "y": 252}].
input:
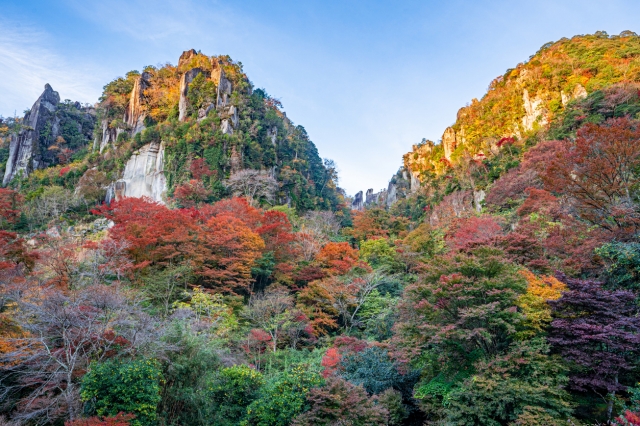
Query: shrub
[
  {"x": 123, "y": 386},
  {"x": 525, "y": 383},
  {"x": 282, "y": 398},
  {"x": 230, "y": 393}
]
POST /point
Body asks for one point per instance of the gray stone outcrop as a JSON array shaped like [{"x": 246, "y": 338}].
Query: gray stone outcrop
[
  {"x": 392, "y": 194},
  {"x": 135, "y": 114},
  {"x": 534, "y": 111},
  {"x": 579, "y": 92},
  {"x": 224, "y": 88},
  {"x": 27, "y": 148},
  {"x": 358, "y": 202},
  {"x": 478, "y": 198},
  {"x": 143, "y": 175},
  {"x": 186, "y": 57},
  {"x": 449, "y": 142},
  {"x": 272, "y": 133},
  {"x": 183, "y": 104},
  {"x": 415, "y": 181}
]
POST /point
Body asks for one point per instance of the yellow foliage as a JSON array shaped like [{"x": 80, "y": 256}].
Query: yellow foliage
[
  {"x": 212, "y": 309},
  {"x": 10, "y": 337},
  {"x": 594, "y": 61},
  {"x": 534, "y": 303}
]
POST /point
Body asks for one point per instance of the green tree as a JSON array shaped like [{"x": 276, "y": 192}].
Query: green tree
[
  {"x": 463, "y": 305},
  {"x": 124, "y": 386},
  {"x": 525, "y": 386},
  {"x": 230, "y": 392},
  {"x": 462, "y": 310},
  {"x": 622, "y": 262},
  {"x": 282, "y": 398},
  {"x": 380, "y": 254},
  {"x": 373, "y": 369},
  {"x": 189, "y": 365}
]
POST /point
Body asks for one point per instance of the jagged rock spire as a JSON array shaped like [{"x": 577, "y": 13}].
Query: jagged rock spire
[{"x": 25, "y": 152}]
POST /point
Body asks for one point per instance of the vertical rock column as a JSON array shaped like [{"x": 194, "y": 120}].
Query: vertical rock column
[
  {"x": 449, "y": 142},
  {"x": 185, "y": 81},
  {"x": 24, "y": 149},
  {"x": 135, "y": 114}
]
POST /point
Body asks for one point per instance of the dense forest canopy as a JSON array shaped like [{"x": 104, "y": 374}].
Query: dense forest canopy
[{"x": 501, "y": 288}]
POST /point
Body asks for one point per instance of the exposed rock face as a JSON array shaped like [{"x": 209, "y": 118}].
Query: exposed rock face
[
  {"x": 534, "y": 111},
  {"x": 231, "y": 121},
  {"x": 415, "y": 181},
  {"x": 204, "y": 111},
  {"x": 223, "y": 92},
  {"x": 186, "y": 56},
  {"x": 135, "y": 114},
  {"x": 457, "y": 204},
  {"x": 448, "y": 142},
  {"x": 579, "y": 92},
  {"x": 27, "y": 148},
  {"x": 226, "y": 128},
  {"x": 143, "y": 175},
  {"x": 358, "y": 202},
  {"x": 478, "y": 198},
  {"x": 272, "y": 134},
  {"x": 233, "y": 116},
  {"x": 384, "y": 198},
  {"x": 222, "y": 103},
  {"x": 109, "y": 136},
  {"x": 228, "y": 112},
  {"x": 370, "y": 197},
  {"x": 235, "y": 161},
  {"x": 392, "y": 194},
  {"x": 376, "y": 198},
  {"x": 420, "y": 158},
  {"x": 186, "y": 79}
]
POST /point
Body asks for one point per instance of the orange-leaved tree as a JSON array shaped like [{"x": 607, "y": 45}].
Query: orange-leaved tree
[
  {"x": 155, "y": 234},
  {"x": 230, "y": 250},
  {"x": 277, "y": 235},
  {"x": 13, "y": 252},
  {"x": 237, "y": 207},
  {"x": 337, "y": 258}
]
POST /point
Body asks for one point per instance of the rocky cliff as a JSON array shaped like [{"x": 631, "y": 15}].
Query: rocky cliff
[
  {"x": 526, "y": 99},
  {"x": 384, "y": 198},
  {"x": 25, "y": 152},
  {"x": 136, "y": 113},
  {"x": 50, "y": 132},
  {"x": 143, "y": 176},
  {"x": 156, "y": 124}
]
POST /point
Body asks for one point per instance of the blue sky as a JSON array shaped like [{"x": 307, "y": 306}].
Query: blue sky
[{"x": 367, "y": 79}]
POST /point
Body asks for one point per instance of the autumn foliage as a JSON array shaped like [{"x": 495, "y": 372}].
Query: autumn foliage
[
  {"x": 220, "y": 249},
  {"x": 120, "y": 419},
  {"x": 337, "y": 258},
  {"x": 598, "y": 174},
  {"x": 503, "y": 289}
]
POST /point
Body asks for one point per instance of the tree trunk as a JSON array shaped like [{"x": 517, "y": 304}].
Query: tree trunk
[
  {"x": 610, "y": 402},
  {"x": 69, "y": 398}
]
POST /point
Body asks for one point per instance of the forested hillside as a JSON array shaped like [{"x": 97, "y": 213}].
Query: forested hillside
[{"x": 193, "y": 261}]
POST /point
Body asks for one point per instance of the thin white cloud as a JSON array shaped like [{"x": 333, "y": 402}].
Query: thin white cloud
[{"x": 28, "y": 62}]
